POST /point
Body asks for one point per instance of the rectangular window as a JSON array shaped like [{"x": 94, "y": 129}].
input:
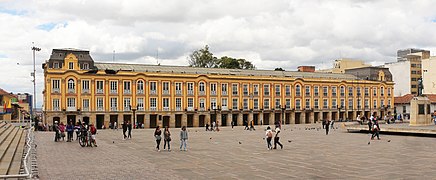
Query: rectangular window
[
  {"x": 266, "y": 104},
  {"x": 288, "y": 103},
  {"x": 316, "y": 103},
  {"x": 334, "y": 104},
  {"x": 224, "y": 89},
  {"x": 140, "y": 104},
  {"x": 325, "y": 103},
  {"x": 350, "y": 91},
  {"x": 234, "y": 89},
  {"x": 100, "y": 104},
  {"x": 213, "y": 103},
  {"x": 127, "y": 104},
  {"x": 56, "y": 105},
  {"x": 100, "y": 87},
  {"x": 266, "y": 89},
  {"x": 201, "y": 89},
  {"x": 166, "y": 104},
  {"x": 288, "y": 90},
  {"x": 153, "y": 87},
  {"x": 114, "y": 87},
  {"x": 245, "y": 89},
  {"x": 213, "y": 89},
  {"x": 166, "y": 88},
  {"x": 404, "y": 109},
  {"x": 178, "y": 104},
  {"x": 56, "y": 65},
  {"x": 298, "y": 104},
  {"x": 245, "y": 104},
  {"x": 389, "y": 103},
  {"x": 358, "y": 91},
  {"x": 366, "y": 91},
  {"x": 85, "y": 86},
  {"x": 256, "y": 89},
  {"x": 277, "y": 90},
  {"x": 374, "y": 104},
  {"x": 277, "y": 104},
  {"x": 359, "y": 104},
  {"x": 342, "y": 103},
  {"x": 350, "y": 104},
  {"x": 307, "y": 92},
  {"x": 334, "y": 91},
  {"x": 382, "y": 91},
  {"x": 389, "y": 91},
  {"x": 56, "y": 85},
  {"x": 235, "y": 104},
  {"x": 374, "y": 91},
  {"x": 307, "y": 106},
  {"x": 153, "y": 104},
  {"x": 70, "y": 65},
  {"x": 178, "y": 88},
  {"x": 113, "y": 104},
  {"x": 85, "y": 66},
  {"x": 85, "y": 105},
  {"x": 126, "y": 87},
  {"x": 325, "y": 91},
  {"x": 71, "y": 104},
  {"x": 366, "y": 103},
  {"x": 316, "y": 91},
  {"x": 224, "y": 104},
  {"x": 382, "y": 103},
  {"x": 255, "y": 103},
  {"x": 202, "y": 104},
  {"x": 190, "y": 104}
]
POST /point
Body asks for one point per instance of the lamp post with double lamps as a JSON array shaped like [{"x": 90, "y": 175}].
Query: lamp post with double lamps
[{"x": 32, "y": 114}]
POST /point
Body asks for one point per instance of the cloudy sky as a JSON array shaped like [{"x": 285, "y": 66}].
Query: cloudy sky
[{"x": 279, "y": 33}]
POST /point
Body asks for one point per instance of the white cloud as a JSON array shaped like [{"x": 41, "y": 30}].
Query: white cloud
[{"x": 271, "y": 34}]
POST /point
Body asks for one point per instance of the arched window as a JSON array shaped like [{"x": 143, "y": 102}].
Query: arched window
[
  {"x": 71, "y": 85},
  {"x": 140, "y": 87},
  {"x": 297, "y": 90}
]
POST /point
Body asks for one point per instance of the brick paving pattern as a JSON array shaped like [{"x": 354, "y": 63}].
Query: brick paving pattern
[{"x": 240, "y": 154}]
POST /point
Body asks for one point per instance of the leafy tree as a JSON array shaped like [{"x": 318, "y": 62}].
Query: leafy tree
[
  {"x": 244, "y": 64},
  {"x": 228, "y": 63},
  {"x": 203, "y": 58},
  {"x": 279, "y": 69}
]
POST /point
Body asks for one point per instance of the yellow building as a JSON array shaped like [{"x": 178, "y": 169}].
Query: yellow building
[
  {"x": 343, "y": 64},
  {"x": 102, "y": 93}
]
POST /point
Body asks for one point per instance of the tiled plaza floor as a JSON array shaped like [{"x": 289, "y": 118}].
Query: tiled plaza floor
[{"x": 239, "y": 154}]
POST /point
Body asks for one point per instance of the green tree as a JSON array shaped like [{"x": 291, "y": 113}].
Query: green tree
[
  {"x": 244, "y": 64},
  {"x": 279, "y": 69},
  {"x": 228, "y": 63},
  {"x": 203, "y": 58}
]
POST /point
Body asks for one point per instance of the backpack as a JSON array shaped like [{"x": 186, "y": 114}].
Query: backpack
[
  {"x": 269, "y": 134},
  {"x": 93, "y": 130}
]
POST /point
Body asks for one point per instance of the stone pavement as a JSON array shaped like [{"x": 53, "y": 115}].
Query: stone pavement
[{"x": 239, "y": 154}]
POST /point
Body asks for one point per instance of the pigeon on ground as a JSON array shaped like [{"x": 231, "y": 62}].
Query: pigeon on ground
[
  {"x": 369, "y": 142},
  {"x": 113, "y": 141},
  {"x": 210, "y": 138},
  {"x": 389, "y": 140},
  {"x": 263, "y": 138},
  {"x": 289, "y": 141},
  {"x": 240, "y": 142}
]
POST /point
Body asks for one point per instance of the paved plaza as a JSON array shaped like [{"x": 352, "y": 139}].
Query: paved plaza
[{"x": 240, "y": 154}]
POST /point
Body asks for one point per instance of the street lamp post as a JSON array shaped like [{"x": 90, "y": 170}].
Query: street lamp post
[
  {"x": 134, "y": 116},
  {"x": 34, "y": 84}
]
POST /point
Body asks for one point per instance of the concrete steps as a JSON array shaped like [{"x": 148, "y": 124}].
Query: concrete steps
[{"x": 12, "y": 143}]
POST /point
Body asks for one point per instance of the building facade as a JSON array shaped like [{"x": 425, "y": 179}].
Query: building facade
[
  {"x": 340, "y": 65},
  {"x": 429, "y": 75},
  {"x": 103, "y": 93},
  {"x": 406, "y": 73}
]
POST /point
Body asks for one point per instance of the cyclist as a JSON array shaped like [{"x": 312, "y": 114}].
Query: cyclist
[{"x": 93, "y": 133}]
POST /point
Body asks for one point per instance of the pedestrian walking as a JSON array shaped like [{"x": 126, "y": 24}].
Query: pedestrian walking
[
  {"x": 327, "y": 123},
  {"x": 376, "y": 131},
  {"x": 77, "y": 129},
  {"x": 213, "y": 126},
  {"x": 70, "y": 130},
  {"x": 62, "y": 131},
  {"x": 233, "y": 124},
  {"x": 93, "y": 131},
  {"x": 183, "y": 139},
  {"x": 252, "y": 125},
  {"x": 207, "y": 126},
  {"x": 332, "y": 122},
  {"x": 277, "y": 138},
  {"x": 323, "y": 124},
  {"x": 124, "y": 126},
  {"x": 56, "y": 130},
  {"x": 157, "y": 135},
  {"x": 370, "y": 123},
  {"x": 167, "y": 138},
  {"x": 115, "y": 125},
  {"x": 269, "y": 136},
  {"x": 129, "y": 130},
  {"x": 246, "y": 125}
]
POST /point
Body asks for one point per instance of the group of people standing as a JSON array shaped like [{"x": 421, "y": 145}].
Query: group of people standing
[
  {"x": 325, "y": 125},
  {"x": 167, "y": 138},
  {"x": 374, "y": 127},
  {"x": 213, "y": 126},
  {"x": 80, "y": 128}
]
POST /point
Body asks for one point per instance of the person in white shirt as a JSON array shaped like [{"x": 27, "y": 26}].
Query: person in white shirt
[
  {"x": 269, "y": 135},
  {"x": 277, "y": 138}
]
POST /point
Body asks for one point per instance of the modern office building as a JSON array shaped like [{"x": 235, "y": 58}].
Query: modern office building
[
  {"x": 76, "y": 88},
  {"x": 402, "y": 53},
  {"x": 407, "y": 72}
]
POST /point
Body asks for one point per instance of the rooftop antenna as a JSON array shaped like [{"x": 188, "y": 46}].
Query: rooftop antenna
[{"x": 113, "y": 56}]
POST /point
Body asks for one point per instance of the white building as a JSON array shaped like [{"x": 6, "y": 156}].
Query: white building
[
  {"x": 429, "y": 75},
  {"x": 402, "y": 104}
]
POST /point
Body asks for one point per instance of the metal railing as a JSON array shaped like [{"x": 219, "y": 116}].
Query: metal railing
[{"x": 26, "y": 160}]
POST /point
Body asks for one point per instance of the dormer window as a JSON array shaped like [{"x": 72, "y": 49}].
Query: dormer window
[
  {"x": 60, "y": 54},
  {"x": 80, "y": 56},
  {"x": 56, "y": 65},
  {"x": 85, "y": 66},
  {"x": 71, "y": 65}
]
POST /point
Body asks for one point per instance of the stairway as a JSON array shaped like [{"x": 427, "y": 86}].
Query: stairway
[{"x": 12, "y": 142}]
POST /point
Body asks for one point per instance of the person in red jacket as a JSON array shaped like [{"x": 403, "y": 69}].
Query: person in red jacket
[{"x": 93, "y": 133}]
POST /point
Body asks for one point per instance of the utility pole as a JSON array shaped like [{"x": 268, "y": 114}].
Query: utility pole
[{"x": 34, "y": 84}]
